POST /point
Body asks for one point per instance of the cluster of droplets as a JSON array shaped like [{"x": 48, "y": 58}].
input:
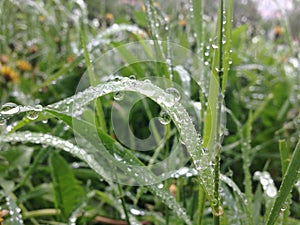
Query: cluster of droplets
[
  {"x": 14, "y": 211},
  {"x": 10, "y": 109},
  {"x": 172, "y": 204},
  {"x": 266, "y": 182}
]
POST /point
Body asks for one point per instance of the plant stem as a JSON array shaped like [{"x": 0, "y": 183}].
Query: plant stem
[
  {"x": 285, "y": 159},
  {"x": 201, "y": 204},
  {"x": 92, "y": 78},
  {"x": 123, "y": 204},
  {"x": 217, "y": 205}
]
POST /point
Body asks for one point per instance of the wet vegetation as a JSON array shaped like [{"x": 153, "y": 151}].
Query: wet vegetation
[{"x": 149, "y": 112}]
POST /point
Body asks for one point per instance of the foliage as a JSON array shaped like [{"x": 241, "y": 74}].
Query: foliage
[{"x": 210, "y": 107}]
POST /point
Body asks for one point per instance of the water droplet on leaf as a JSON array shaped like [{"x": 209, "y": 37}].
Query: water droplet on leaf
[
  {"x": 164, "y": 118},
  {"x": 119, "y": 95},
  {"x": 174, "y": 92},
  {"x": 9, "y": 108},
  {"x": 32, "y": 115}
]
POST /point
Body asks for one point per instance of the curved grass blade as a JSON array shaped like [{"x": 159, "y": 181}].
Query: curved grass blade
[
  {"x": 91, "y": 160},
  {"x": 175, "y": 109},
  {"x": 286, "y": 186}
]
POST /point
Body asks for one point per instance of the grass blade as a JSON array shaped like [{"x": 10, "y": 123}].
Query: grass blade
[{"x": 286, "y": 186}]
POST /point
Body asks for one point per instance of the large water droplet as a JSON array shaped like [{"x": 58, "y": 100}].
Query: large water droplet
[
  {"x": 119, "y": 95},
  {"x": 32, "y": 115},
  {"x": 9, "y": 108},
  {"x": 174, "y": 92},
  {"x": 164, "y": 118}
]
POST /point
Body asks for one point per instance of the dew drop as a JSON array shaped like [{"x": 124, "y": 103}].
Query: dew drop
[
  {"x": 174, "y": 92},
  {"x": 164, "y": 118},
  {"x": 160, "y": 186},
  {"x": 132, "y": 77},
  {"x": 214, "y": 46},
  {"x": 32, "y": 115},
  {"x": 38, "y": 108},
  {"x": 119, "y": 95},
  {"x": 9, "y": 108}
]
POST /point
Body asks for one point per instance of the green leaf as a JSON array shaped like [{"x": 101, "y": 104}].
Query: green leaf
[{"x": 67, "y": 191}]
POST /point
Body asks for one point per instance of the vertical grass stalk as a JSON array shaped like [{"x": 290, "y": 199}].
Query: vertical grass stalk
[
  {"x": 285, "y": 159},
  {"x": 246, "y": 146},
  {"x": 217, "y": 209},
  {"x": 92, "y": 78}
]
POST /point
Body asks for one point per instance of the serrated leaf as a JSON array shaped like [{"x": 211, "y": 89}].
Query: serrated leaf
[{"x": 67, "y": 191}]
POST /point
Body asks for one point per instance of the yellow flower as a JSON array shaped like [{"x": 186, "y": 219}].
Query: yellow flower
[
  {"x": 109, "y": 16},
  {"x": 182, "y": 22},
  {"x": 23, "y": 65},
  {"x": 9, "y": 74}
]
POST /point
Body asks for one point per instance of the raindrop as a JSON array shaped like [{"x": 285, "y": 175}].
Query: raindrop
[
  {"x": 9, "y": 108},
  {"x": 32, "y": 115},
  {"x": 119, "y": 95},
  {"x": 214, "y": 46},
  {"x": 164, "y": 118},
  {"x": 175, "y": 93},
  {"x": 38, "y": 108},
  {"x": 160, "y": 186},
  {"x": 132, "y": 77}
]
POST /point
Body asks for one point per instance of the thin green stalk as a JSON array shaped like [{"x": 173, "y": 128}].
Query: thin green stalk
[
  {"x": 285, "y": 159},
  {"x": 123, "y": 204},
  {"x": 246, "y": 146},
  {"x": 288, "y": 182},
  {"x": 92, "y": 78},
  {"x": 39, "y": 157},
  {"x": 198, "y": 26},
  {"x": 219, "y": 69},
  {"x": 152, "y": 16},
  {"x": 201, "y": 204}
]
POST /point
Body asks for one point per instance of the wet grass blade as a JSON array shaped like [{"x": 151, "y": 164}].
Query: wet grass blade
[
  {"x": 285, "y": 160},
  {"x": 286, "y": 186}
]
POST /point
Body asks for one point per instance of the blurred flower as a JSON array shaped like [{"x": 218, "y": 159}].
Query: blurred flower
[
  {"x": 173, "y": 189},
  {"x": 182, "y": 23},
  {"x": 278, "y": 31},
  {"x": 143, "y": 7},
  {"x": 42, "y": 19},
  {"x": 70, "y": 59},
  {"x": 23, "y": 65},
  {"x": 9, "y": 74},
  {"x": 33, "y": 49},
  {"x": 109, "y": 17},
  {"x": 4, "y": 59}
]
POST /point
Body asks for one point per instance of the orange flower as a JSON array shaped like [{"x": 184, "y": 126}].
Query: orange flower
[
  {"x": 9, "y": 74},
  {"x": 182, "y": 22},
  {"x": 109, "y": 16},
  {"x": 173, "y": 189},
  {"x": 24, "y": 65},
  {"x": 70, "y": 59}
]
